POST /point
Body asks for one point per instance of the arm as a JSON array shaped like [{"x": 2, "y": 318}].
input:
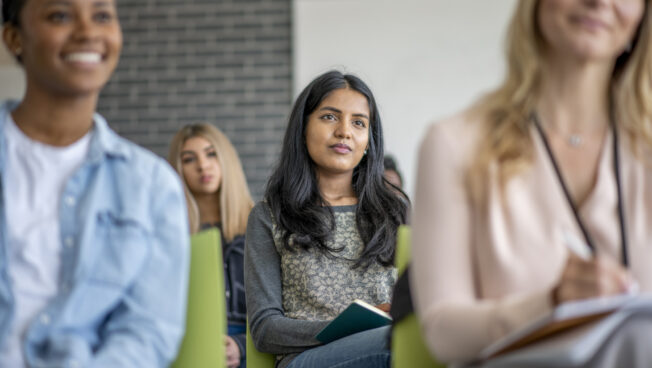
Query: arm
[
  {"x": 271, "y": 331},
  {"x": 146, "y": 327},
  {"x": 456, "y": 323}
]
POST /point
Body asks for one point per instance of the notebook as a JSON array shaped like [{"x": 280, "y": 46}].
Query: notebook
[
  {"x": 357, "y": 317},
  {"x": 563, "y": 318}
]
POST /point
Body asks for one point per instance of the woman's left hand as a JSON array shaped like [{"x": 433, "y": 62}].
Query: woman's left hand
[{"x": 232, "y": 353}]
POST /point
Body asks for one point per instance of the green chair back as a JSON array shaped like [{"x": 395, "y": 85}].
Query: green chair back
[
  {"x": 256, "y": 359},
  {"x": 203, "y": 343},
  {"x": 408, "y": 347}
]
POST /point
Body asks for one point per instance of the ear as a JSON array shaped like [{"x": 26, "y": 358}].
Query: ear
[{"x": 12, "y": 39}]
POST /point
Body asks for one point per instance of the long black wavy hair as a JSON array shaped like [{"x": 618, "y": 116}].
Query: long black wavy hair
[{"x": 303, "y": 216}]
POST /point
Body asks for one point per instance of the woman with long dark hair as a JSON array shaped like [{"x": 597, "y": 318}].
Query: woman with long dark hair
[{"x": 325, "y": 233}]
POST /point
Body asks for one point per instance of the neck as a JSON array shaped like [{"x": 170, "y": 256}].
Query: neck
[
  {"x": 55, "y": 120},
  {"x": 209, "y": 207},
  {"x": 337, "y": 189},
  {"x": 575, "y": 96}
]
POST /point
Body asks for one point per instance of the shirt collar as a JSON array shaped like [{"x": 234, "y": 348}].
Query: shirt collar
[{"x": 104, "y": 142}]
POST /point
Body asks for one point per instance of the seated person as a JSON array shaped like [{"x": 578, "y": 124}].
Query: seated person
[
  {"x": 560, "y": 151},
  {"x": 325, "y": 233},
  {"x": 94, "y": 246},
  {"x": 217, "y": 196}
]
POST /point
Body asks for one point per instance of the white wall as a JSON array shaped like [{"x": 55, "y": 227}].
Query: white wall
[
  {"x": 12, "y": 84},
  {"x": 423, "y": 59}
]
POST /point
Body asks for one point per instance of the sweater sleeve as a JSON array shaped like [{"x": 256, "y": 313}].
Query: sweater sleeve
[
  {"x": 456, "y": 321},
  {"x": 271, "y": 331}
]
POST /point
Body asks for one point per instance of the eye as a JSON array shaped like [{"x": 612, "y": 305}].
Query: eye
[
  {"x": 359, "y": 123},
  {"x": 104, "y": 16},
  {"x": 187, "y": 159},
  {"x": 211, "y": 154},
  {"x": 58, "y": 16},
  {"x": 328, "y": 117}
]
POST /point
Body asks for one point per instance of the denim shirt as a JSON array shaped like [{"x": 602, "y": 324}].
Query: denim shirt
[{"x": 124, "y": 266}]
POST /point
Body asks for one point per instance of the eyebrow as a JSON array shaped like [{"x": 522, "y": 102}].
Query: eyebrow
[
  {"x": 96, "y": 4},
  {"x": 329, "y": 108},
  {"x": 207, "y": 148},
  {"x": 103, "y": 4},
  {"x": 58, "y": 2}
]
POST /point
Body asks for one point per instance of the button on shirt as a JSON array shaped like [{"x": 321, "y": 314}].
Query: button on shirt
[
  {"x": 111, "y": 284},
  {"x": 36, "y": 174}
]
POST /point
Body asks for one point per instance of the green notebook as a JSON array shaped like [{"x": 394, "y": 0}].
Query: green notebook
[{"x": 358, "y": 316}]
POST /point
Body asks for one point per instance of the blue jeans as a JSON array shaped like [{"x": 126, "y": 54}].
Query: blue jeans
[{"x": 364, "y": 349}]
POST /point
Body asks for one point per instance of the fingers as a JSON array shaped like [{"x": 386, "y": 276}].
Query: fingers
[
  {"x": 232, "y": 352},
  {"x": 600, "y": 276},
  {"x": 384, "y": 307}
]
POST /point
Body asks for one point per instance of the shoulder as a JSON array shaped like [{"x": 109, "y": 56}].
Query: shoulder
[
  {"x": 260, "y": 216},
  {"x": 453, "y": 138}
]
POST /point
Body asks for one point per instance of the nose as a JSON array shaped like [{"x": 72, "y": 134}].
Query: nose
[
  {"x": 202, "y": 163},
  {"x": 85, "y": 28},
  {"x": 343, "y": 129}
]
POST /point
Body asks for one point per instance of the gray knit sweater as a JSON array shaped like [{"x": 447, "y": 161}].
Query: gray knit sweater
[{"x": 291, "y": 296}]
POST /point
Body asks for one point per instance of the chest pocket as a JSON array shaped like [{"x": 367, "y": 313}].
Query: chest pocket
[{"x": 121, "y": 249}]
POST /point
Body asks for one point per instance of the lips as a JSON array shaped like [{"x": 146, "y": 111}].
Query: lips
[
  {"x": 341, "y": 148},
  {"x": 205, "y": 179},
  {"x": 590, "y": 23}
]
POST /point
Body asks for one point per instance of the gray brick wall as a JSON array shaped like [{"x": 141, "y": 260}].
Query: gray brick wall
[{"x": 227, "y": 62}]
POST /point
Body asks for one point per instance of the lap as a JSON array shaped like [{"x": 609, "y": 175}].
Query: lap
[{"x": 363, "y": 349}]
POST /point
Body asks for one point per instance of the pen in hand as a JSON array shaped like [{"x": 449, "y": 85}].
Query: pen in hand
[
  {"x": 577, "y": 247},
  {"x": 584, "y": 252}
]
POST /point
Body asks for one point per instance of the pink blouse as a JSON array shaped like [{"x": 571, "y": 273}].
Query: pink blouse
[{"x": 480, "y": 272}]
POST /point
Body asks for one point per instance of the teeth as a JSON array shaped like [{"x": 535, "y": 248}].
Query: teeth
[{"x": 84, "y": 57}]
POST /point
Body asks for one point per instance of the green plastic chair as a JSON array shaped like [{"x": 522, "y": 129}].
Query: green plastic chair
[
  {"x": 203, "y": 343},
  {"x": 408, "y": 347},
  {"x": 256, "y": 359}
]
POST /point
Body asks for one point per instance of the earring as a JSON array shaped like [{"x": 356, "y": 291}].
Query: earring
[
  {"x": 365, "y": 152},
  {"x": 18, "y": 51}
]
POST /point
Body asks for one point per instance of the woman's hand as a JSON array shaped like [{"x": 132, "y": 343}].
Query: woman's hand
[
  {"x": 232, "y": 353},
  {"x": 600, "y": 276},
  {"x": 384, "y": 307}
]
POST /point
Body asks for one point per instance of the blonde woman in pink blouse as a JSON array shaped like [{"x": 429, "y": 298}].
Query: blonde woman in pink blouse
[{"x": 562, "y": 149}]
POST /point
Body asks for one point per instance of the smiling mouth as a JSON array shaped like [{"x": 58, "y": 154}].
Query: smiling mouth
[
  {"x": 590, "y": 23},
  {"x": 84, "y": 57}
]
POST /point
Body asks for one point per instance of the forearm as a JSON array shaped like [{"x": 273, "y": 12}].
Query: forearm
[
  {"x": 458, "y": 331},
  {"x": 278, "y": 334}
]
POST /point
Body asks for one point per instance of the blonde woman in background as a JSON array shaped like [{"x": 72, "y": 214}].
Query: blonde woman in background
[
  {"x": 561, "y": 150},
  {"x": 217, "y": 196}
]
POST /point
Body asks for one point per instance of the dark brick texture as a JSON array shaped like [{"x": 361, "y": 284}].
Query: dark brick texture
[{"x": 227, "y": 62}]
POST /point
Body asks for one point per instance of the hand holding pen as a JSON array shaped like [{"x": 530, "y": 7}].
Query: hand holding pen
[{"x": 590, "y": 275}]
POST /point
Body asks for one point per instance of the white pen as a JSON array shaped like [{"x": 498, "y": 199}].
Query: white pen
[{"x": 577, "y": 246}]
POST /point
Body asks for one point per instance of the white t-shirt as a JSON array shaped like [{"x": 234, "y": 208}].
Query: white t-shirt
[{"x": 35, "y": 175}]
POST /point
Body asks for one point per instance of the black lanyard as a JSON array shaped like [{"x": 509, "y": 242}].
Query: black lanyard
[{"x": 621, "y": 212}]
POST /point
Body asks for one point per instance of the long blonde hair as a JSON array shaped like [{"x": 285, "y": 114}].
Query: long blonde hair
[
  {"x": 235, "y": 200},
  {"x": 506, "y": 110}
]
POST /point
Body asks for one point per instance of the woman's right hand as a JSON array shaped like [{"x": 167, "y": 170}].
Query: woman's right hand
[{"x": 600, "y": 276}]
